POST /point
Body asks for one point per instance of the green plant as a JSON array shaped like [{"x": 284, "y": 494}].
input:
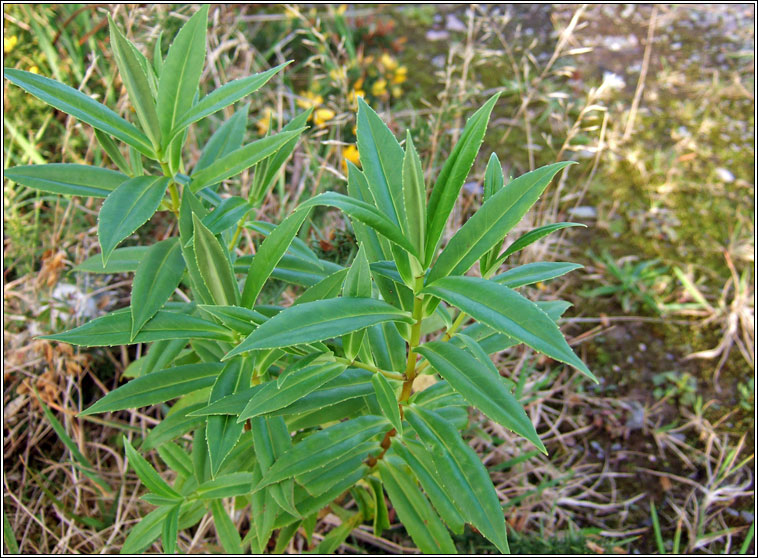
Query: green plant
[{"x": 291, "y": 408}]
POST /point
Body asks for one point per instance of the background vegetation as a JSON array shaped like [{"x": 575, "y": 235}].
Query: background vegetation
[{"x": 656, "y": 103}]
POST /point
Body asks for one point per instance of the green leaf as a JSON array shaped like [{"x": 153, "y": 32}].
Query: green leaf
[
  {"x": 508, "y": 312},
  {"x": 226, "y": 532},
  {"x": 414, "y": 194},
  {"x": 214, "y": 266},
  {"x": 331, "y": 542},
  {"x": 122, "y": 260},
  {"x": 366, "y": 214},
  {"x": 387, "y": 397},
  {"x": 413, "y": 509},
  {"x": 135, "y": 80},
  {"x": 222, "y": 432},
  {"x": 176, "y": 458},
  {"x": 191, "y": 205},
  {"x": 422, "y": 465},
  {"x": 180, "y": 75},
  {"x": 110, "y": 147},
  {"x": 226, "y": 139},
  {"x": 115, "y": 329},
  {"x": 465, "y": 479},
  {"x": 225, "y": 96},
  {"x": 328, "y": 287},
  {"x": 388, "y": 347},
  {"x": 533, "y": 236},
  {"x": 357, "y": 284},
  {"x": 493, "y": 178},
  {"x": 79, "y": 105},
  {"x": 241, "y": 320},
  {"x": 127, "y": 208},
  {"x": 226, "y": 486},
  {"x": 157, "y": 387},
  {"x": 171, "y": 529},
  {"x": 481, "y": 385},
  {"x": 271, "y": 439},
  {"x": 453, "y": 175},
  {"x": 149, "y": 476},
  {"x": 158, "y": 274},
  {"x": 319, "y": 320},
  {"x": 158, "y": 55},
  {"x": 534, "y": 273},
  {"x": 300, "y": 383},
  {"x": 268, "y": 255},
  {"x": 264, "y": 177},
  {"x": 381, "y": 514},
  {"x": 174, "y": 425},
  {"x": 320, "y": 480},
  {"x": 228, "y": 213},
  {"x": 323, "y": 447},
  {"x": 382, "y": 162},
  {"x": 240, "y": 159},
  {"x": 142, "y": 535},
  {"x": 67, "y": 178},
  {"x": 491, "y": 222}
]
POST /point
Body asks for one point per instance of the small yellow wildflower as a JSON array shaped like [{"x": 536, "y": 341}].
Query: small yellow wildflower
[
  {"x": 397, "y": 91},
  {"x": 388, "y": 62},
  {"x": 34, "y": 69},
  {"x": 338, "y": 74},
  {"x": 342, "y": 9},
  {"x": 322, "y": 116},
  {"x": 401, "y": 74},
  {"x": 379, "y": 88},
  {"x": 350, "y": 153},
  {"x": 264, "y": 122},
  {"x": 310, "y": 99},
  {"x": 9, "y": 43},
  {"x": 352, "y": 97}
]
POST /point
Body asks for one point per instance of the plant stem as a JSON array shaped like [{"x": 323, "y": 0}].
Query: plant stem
[
  {"x": 238, "y": 231},
  {"x": 173, "y": 192},
  {"x": 453, "y": 328},
  {"x": 410, "y": 367},
  {"x": 390, "y": 375}
]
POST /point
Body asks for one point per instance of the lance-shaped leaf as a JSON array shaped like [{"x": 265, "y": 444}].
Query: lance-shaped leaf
[
  {"x": 414, "y": 194},
  {"x": 382, "y": 162},
  {"x": 240, "y": 159},
  {"x": 225, "y": 96},
  {"x": 122, "y": 260},
  {"x": 387, "y": 398},
  {"x": 115, "y": 329},
  {"x": 508, "y": 312},
  {"x": 222, "y": 431},
  {"x": 528, "y": 274},
  {"x": 81, "y": 106},
  {"x": 493, "y": 183},
  {"x": 226, "y": 139},
  {"x": 180, "y": 74},
  {"x": 387, "y": 347},
  {"x": 171, "y": 529},
  {"x": 110, "y": 147},
  {"x": 158, "y": 274},
  {"x": 226, "y": 531},
  {"x": 242, "y": 320},
  {"x": 533, "y": 236},
  {"x": 319, "y": 320},
  {"x": 491, "y": 222},
  {"x": 318, "y": 481},
  {"x": 271, "y": 397},
  {"x": 176, "y": 424},
  {"x": 271, "y": 439},
  {"x": 214, "y": 266},
  {"x": 366, "y": 214},
  {"x": 465, "y": 479},
  {"x": 453, "y": 175},
  {"x": 226, "y": 486},
  {"x": 268, "y": 255},
  {"x": 127, "y": 208},
  {"x": 227, "y": 214},
  {"x": 328, "y": 287},
  {"x": 357, "y": 284},
  {"x": 149, "y": 476},
  {"x": 134, "y": 78},
  {"x": 67, "y": 178},
  {"x": 480, "y": 384},
  {"x": 421, "y": 462},
  {"x": 323, "y": 447},
  {"x": 413, "y": 509},
  {"x": 157, "y": 387},
  {"x": 142, "y": 535},
  {"x": 190, "y": 206}
]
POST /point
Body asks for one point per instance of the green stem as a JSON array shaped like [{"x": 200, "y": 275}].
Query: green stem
[
  {"x": 390, "y": 375},
  {"x": 238, "y": 231},
  {"x": 410, "y": 367},
  {"x": 173, "y": 192},
  {"x": 453, "y": 328}
]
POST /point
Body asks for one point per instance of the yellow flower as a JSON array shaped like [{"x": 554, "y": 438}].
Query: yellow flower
[
  {"x": 358, "y": 85},
  {"x": 388, "y": 62},
  {"x": 9, "y": 43},
  {"x": 309, "y": 99},
  {"x": 34, "y": 69},
  {"x": 322, "y": 116},
  {"x": 350, "y": 153},
  {"x": 338, "y": 74},
  {"x": 397, "y": 91},
  {"x": 401, "y": 74},
  {"x": 264, "y": 122},
  {"x": 379, "y": 88},
  {"x": 342, "y": 9},
  {"x": 352, "y": 97}
]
